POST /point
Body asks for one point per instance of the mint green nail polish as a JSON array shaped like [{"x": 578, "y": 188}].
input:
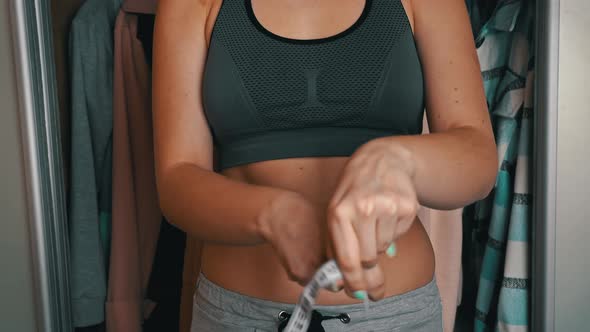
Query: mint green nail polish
[
  {"x": 361, "y": 295},
  {"x": 391, "y": 250}
]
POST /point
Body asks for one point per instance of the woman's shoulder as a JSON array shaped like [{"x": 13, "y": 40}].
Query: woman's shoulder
[
  {"x": 186, "y": 8},
  {"x": 177, "y": 17}
]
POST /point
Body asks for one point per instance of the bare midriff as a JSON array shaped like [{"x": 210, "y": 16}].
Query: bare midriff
[{"x": 256, "y": 270}]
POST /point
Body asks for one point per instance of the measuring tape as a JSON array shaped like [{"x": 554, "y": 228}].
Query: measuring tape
[{"x": 326, "y": 277}]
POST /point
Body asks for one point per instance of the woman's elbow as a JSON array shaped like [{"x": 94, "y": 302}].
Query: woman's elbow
[
  {"x": 488, "y": 171},
  {"x": 168, "y": 194},
  {"x": 164, "y": 197},
  {"x": 176, "y": 193}
]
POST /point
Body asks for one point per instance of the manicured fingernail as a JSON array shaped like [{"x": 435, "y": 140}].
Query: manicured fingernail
[
  {"x": 361, "y": 295},
  {"x": 391, "y": 250}
]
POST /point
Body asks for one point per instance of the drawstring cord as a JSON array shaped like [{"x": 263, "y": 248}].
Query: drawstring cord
[{"x": 316, "y": 320}]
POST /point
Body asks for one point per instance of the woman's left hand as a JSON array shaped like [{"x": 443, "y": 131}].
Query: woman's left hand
[{"x": 375, "y": 202}]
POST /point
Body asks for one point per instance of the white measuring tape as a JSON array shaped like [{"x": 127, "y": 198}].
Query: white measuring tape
[{"x": 326, "y": 277}]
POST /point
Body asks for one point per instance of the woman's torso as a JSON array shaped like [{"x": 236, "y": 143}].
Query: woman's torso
[{"x": 256, "y": 270}]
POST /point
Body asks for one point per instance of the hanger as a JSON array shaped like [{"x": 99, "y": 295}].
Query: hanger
[{"x": 140, "y": 6}]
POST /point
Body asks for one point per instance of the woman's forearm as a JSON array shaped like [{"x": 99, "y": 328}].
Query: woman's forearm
[
  {"x": 451, "y": 169},
  {"x": 214, "y": 208}
]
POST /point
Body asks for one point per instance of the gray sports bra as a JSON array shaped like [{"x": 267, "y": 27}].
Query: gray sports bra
[{"x": 270, "y": 97}]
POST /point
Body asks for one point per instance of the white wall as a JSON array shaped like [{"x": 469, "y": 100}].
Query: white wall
[
  {"x": 572, "y": 291},
  {"x": 16, "y": 293}
]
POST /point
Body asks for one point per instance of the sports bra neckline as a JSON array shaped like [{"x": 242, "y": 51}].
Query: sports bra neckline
[
  {"x": 347, "y": 31},
  {"x": 270, "y": 98}
]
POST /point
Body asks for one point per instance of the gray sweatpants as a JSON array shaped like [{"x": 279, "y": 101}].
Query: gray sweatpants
[{"x": 216, "y": 309}]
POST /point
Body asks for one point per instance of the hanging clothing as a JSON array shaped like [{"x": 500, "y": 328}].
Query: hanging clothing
[
  {"x": 89, "y": 208},
  {"x": 480, "y": 11},
  {"x": 62, "y": 15},
  {"x": 136, "y": 214},
  {"x": 145, "y": 289},
  {"x": 138, "y": 27},
  {"x": 506, "y": 54}
]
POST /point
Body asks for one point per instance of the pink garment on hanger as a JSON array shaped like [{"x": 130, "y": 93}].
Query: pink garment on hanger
[
  {"x": 136, "y": 215},
  {"x": 445, "y": 229},
  {"x": 139, "y": 6}
]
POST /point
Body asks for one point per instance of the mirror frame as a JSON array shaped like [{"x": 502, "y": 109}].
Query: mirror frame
[
  {"x": 44, "y": 174},
  {"x": 543, "y": 238}
]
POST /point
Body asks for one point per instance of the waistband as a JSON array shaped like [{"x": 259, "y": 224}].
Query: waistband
[{"x": 235, "y": 307}]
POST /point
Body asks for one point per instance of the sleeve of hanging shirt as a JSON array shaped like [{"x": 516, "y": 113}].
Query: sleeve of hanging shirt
[{"x": 91, "y": 128}]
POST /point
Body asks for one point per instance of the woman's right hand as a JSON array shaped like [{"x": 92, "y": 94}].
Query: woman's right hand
[{"x": 296, "y": 228}]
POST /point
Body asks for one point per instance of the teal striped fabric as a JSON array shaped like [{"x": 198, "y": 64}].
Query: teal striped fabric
[{"x": 506, "y": 54}]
